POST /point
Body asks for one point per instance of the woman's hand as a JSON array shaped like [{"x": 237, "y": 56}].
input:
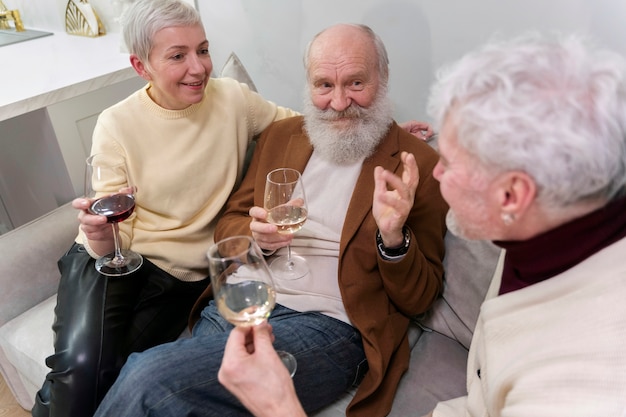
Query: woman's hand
[{"x": 96, "y": 229}]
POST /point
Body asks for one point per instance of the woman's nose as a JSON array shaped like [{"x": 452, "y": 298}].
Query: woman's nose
[{"x": 196, "y": 64}]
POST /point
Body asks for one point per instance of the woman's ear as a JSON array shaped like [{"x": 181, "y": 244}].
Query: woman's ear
[{"x": 139, "y": 67}]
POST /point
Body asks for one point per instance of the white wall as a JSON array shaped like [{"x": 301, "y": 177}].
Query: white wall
[
  {"x": 49, "y": 15},
  {"x": 269, "y": 36}
]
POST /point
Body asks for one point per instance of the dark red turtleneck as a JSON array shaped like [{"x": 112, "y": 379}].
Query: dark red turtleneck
[{"x": 544, "y": 256}]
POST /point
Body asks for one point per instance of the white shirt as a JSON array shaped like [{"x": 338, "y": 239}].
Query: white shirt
[{"x": 328, "y": 188}]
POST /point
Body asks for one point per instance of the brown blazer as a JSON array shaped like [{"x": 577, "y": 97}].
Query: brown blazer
[{"x": 379, "y": 296}]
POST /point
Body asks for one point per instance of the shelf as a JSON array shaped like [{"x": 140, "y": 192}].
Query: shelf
[{"x": 48, "y": 70}]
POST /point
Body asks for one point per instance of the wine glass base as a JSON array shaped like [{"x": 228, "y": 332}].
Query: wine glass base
[
  {"x": 108, "y": 266},
  {"x": 283, "y": 268},
  {"x": 289, "y": 361}
]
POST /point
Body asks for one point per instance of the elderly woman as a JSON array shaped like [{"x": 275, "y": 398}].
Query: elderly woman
[
  {"x": 184, "y": 136},
  {"x": 533, "y": 156}
]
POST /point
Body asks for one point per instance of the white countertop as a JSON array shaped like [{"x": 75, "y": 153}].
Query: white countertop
[{"x": 40, "y": 72}]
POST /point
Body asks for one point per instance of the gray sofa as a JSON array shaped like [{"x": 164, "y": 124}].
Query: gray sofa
[{"x": 439, "y": 339}]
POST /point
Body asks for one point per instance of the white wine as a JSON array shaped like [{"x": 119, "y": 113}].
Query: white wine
[
  {"x": 246, "y": 303},
  {"x": 289, "y": 219}
]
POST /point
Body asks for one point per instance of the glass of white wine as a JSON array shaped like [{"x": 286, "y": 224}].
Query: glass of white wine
[
  {"x": 242, "y": 284},
  {"x": 285, "y": 202}
]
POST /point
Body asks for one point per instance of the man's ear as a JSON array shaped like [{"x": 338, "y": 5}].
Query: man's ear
[
  {"x": 516, "y": 192},
  {"x": 139, "y": 67}
]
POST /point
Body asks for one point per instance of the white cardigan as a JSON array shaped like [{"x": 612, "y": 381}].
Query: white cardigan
[{"x": 555, "y": 348}]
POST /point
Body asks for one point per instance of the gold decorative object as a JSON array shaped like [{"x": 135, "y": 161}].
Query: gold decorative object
[
  {"x": 7, "y": 15},
  {"x": 81, "y": 19}
]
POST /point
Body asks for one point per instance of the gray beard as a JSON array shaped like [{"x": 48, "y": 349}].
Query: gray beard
[
  {"x": 358, "y": 140},
  {"x": 453, "y": 225}
]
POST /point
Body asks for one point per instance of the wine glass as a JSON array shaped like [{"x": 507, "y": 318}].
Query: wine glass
[
  {"x": 112, "y": 194},
  {"x": 286, "y": 207},
  {"x": 242, "y": 285}
]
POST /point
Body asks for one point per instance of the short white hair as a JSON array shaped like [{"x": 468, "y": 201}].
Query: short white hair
[
  {"x": 144, "y": 18},
  {"x": 555, "y": 109}
]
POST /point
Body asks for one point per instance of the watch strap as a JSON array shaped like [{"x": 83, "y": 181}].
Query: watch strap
[{"x": 396, "y": 253}]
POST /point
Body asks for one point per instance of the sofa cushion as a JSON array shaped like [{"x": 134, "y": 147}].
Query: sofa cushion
[
  {"x": 28, "y": 266},
  {"x": 469, "y": 266},
  {"x": 338, "y": 407},
  {"x": 437, "y": 370},
  {"x": 25, "y": 343}
]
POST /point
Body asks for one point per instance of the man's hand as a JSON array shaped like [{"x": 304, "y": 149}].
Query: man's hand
[
  {"x": 265, "y": 234},
  {"x": 393, "y": 199},
  {"x": 253, "y": 372},
  {"x": 421, "y": 130}
]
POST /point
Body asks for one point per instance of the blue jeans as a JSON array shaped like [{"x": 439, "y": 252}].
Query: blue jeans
[{"x": 180, "y": 378}]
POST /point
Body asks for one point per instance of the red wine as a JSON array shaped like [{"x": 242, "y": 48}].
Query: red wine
[{"x": 116, "y": 207}]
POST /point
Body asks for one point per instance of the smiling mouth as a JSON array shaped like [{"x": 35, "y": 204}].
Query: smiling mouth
[{"x": 196, "y": 84}]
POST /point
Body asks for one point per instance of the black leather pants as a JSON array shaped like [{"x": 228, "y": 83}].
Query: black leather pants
[{"x": 99, "y": 322}]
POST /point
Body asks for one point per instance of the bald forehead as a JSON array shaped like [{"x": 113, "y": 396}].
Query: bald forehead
[{"x": 342, "y": 43}]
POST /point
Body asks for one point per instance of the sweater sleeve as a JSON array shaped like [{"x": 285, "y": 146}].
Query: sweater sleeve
[
  {"x": 262, "y": 112},
  {"x": 235, "y": 219}
]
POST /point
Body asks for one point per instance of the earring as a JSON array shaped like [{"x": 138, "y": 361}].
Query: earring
[{"x": 507, "y": 218}]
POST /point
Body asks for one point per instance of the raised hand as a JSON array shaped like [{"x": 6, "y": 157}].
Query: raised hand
[{"x": 393, "y": 199}]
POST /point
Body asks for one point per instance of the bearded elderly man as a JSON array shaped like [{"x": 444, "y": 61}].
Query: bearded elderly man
[{"x": 373, "y": 241}]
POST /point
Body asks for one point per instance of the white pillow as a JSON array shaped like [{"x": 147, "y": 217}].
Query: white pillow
[{"x": 233, "y": 68}]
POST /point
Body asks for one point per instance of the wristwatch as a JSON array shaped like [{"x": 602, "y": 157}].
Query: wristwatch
[{"x": 393, "y": 254}]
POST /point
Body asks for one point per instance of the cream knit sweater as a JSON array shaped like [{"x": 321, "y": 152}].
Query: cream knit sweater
[
  {"x": 184, "y": 164},
  {"x": 556, "y": 348}
]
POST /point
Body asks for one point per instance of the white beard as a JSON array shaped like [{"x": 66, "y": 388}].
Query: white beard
[
  {"x": 358, "y": 140},
  {"x": 480, "y": 228},
  {"x": 453, "y": 225}
]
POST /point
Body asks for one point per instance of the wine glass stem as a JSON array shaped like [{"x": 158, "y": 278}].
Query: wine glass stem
[
  {"x": 289, "y": 261},
  {"x": 118, "y": 259}
]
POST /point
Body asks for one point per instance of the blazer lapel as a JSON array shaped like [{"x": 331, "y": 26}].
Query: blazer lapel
[
  {"x": 298, "y": 152},
  {"x": 361, "y": 202}
]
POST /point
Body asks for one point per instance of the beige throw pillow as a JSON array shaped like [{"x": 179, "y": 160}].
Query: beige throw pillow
[{"x": 233, "y": 68}]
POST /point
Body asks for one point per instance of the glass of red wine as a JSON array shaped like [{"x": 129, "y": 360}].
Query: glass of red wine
[{"x": 108, "y": 186}]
